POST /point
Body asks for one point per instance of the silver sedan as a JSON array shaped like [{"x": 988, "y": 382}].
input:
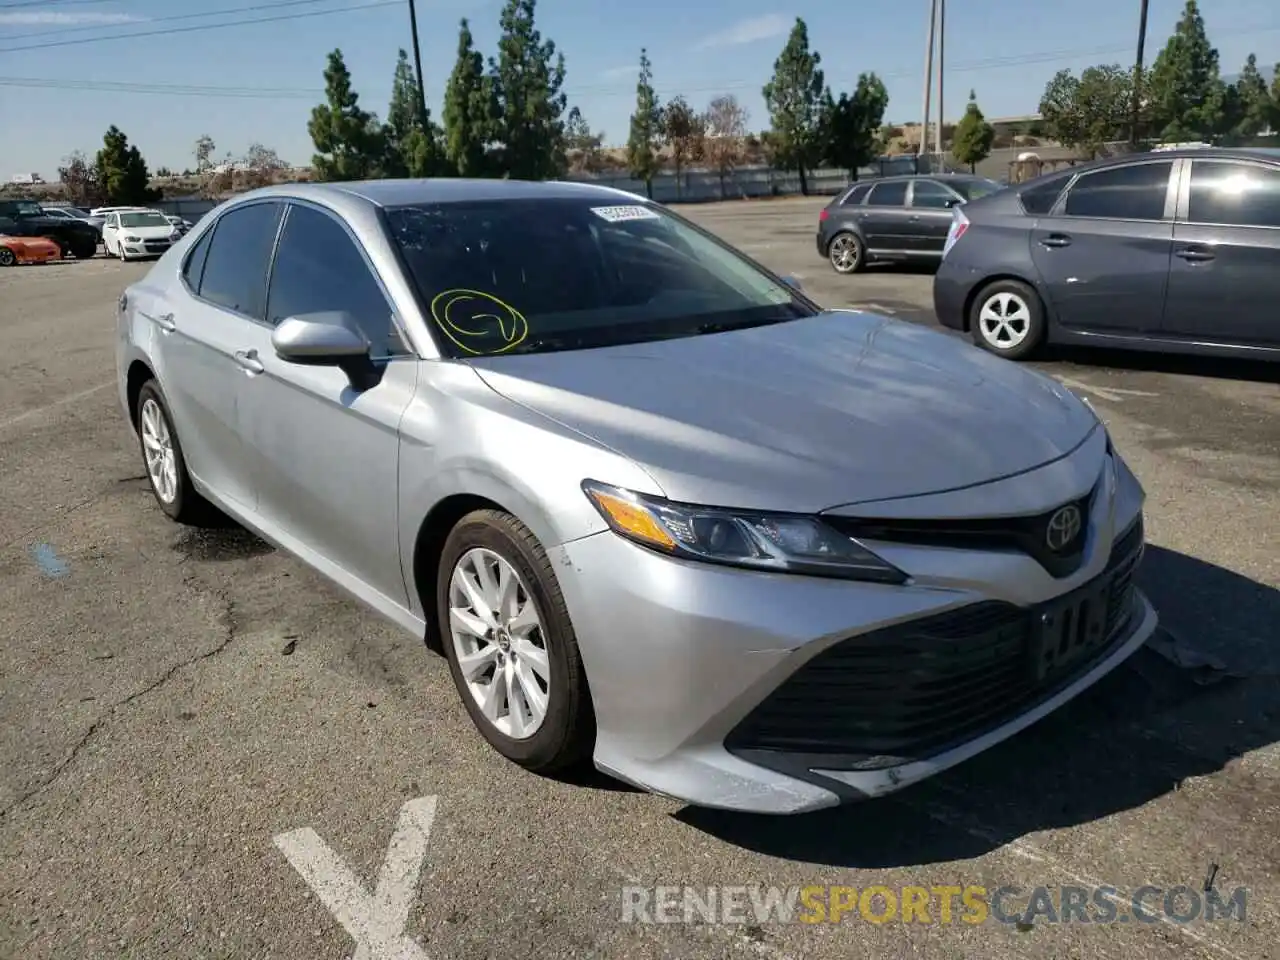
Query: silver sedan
[{"x": 658, "y": 509}]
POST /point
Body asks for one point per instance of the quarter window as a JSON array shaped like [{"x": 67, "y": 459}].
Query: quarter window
[
  {"x": 856, "y": 195},
  {"x": 194, "y": 269},
  {"x": 929, "y": 193},
  {"x": 888, "y": 194},
  {"x": 1234, "y": 194},
  {"x": 235, "y": 268},
  {"x": 1135, "y": 192},
  {"x": 1038, "y": 200},
  {"x": 319, "y": 269}
]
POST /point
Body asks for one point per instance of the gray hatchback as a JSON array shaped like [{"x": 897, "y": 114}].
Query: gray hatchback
[{"x": 1174, "y": 251}]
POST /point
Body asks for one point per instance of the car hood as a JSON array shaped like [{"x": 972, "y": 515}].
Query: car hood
[{"x": 837, "y": 409}]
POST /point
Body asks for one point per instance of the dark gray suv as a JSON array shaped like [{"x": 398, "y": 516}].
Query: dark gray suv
[
  {"x": 894, "y": 218},
  {"x": 1176, "y": 251}
]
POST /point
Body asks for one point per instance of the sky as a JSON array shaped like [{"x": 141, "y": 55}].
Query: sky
[{"x": 174, "y": 74}]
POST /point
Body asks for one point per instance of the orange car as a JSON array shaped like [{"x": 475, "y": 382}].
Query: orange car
[{"x": 27, "y": 250}]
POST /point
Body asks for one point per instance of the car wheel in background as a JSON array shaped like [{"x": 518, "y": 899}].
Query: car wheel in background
[
  {"x": 510, "y": 644},
  {"x": 847, "y": 253},
  {"x": 1007, "y": 318},
  {"x": 162, "y": 458},
  {"x": 7, "y": 257},
  {"x": 120, "y": 253},
  {"x": 84, "y": 250}
]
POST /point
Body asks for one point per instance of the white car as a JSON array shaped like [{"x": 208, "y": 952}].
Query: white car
[{"x": 138, "y": 233}]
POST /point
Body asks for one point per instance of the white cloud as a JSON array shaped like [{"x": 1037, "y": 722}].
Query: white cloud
[
  {"x": 50, "y": 19},
  {"x": 748, "y": 31}
]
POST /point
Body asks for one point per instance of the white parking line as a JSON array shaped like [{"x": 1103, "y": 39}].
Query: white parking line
[
  {"x": 38, "y": 411},
  {"x": 376, "y": 922},
  {"x": 1113, "y": 394}
]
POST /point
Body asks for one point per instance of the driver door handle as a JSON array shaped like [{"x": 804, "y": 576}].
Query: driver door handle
[
  {"x": 249, "y": 362},
  {"x": 1194, "y": 254},
  {"x": 1056, "y": 240},
  {"x": 165, "y": 322}
]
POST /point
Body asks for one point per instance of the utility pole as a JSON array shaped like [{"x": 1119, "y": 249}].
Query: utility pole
[
  {"x": 1137, "y": 73},
  {"x": 928, "y": 80},
  {"x": 417, "y": 64},
  {"x": 942, "y": 40}
]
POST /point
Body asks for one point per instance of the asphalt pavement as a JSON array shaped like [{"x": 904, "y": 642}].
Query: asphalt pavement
[{"x": 209, "y": 752}]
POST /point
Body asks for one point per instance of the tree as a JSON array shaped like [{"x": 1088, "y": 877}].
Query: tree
[
  {"x": 79, "y": 176},
  {"x": 347, "y": 138},
  {"x": 794, "y": 101},
  {"x": 469, "y": 109},
  {"x": 1253, "y": 107},
  {"x": 684, "y": 131},
  {"x": 1275, "y": 98},
  {"x": 582, "y": 147},
  {"x": 412, "y": 142},
  {"x": 971, "y": 142},
  {"x": 726, "y": 126},
  {"x": 1088, "y": 111},
  {"x": 644, "y": 158},
  {"x": 1185, "y": 90},
  {"x": 122, "y": 173},
  {"x": 852, "y": 124},
  {"x": 204, "y": 151},
  {"x": 528, "y": 77},
  {"x": 260, "y": 167}
]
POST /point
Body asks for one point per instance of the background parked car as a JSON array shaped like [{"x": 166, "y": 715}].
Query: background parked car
[
  {"x": 15, "y": 250},
  {"x": 138, "y": 233},
  {"x": 182, "y": 225},
  {"x": 894, "y": 218},
  {"x": 74, "y": 213},
  {"x": 1174, "y": 250},
  {"x": 73, "y": 237}
]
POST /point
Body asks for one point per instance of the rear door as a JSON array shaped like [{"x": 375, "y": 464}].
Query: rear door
[
  {"x": 847, "y": 213},
  {"x": 202, "y": 326},
  {"x": 325, "y": 454},
  {"x": 884, "y": 220},
  {"x": 929, "y": 215},
  {"x": 1103, "y": 250},
  {"x": 1224, "y": 278}
]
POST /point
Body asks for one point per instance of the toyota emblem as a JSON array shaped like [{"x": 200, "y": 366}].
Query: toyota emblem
[{"x": 1063, "y": 528}]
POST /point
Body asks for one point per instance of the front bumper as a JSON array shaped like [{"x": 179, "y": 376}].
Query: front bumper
[
  {"x": 146, "y": 248},
  {"x": 701, "y": 674}
]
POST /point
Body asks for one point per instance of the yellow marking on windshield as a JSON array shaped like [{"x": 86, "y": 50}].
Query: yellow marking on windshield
[{"x": 462, "y": 314}]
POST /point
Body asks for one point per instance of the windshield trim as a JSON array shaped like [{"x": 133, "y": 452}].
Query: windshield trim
[{"x": 449, "y": 351}]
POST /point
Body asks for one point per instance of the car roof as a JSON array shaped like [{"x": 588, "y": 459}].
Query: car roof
[
  {"x": 395, "y": 193},
  {"x": 1187, "y": 153}
]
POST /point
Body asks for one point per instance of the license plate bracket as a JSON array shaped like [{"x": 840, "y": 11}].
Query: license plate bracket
[{"x": 1069, "y": 629}]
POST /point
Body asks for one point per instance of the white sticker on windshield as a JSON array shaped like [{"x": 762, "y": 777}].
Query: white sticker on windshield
[{"x": 620, "y": 214}]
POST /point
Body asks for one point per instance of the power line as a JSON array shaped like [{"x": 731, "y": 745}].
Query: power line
[
  {"x": 46, "y": 3},
  {"x": 199, "y": 28},
  {"x": 252, "y": 8}
]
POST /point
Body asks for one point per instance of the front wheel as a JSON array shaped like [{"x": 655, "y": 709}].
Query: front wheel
[
  {"x": 1007, "y": 318},
  {"x": 162, "y": 457},
  {"x": 7, "y": 257},
  {"x": 511, "y": 647}
]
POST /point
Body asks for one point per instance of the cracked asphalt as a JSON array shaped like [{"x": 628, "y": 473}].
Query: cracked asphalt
[{"x": 172, "y": 699}]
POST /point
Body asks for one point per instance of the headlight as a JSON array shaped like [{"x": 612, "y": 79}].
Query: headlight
[
  {"x": 132, "y": 240},
  {"x": 783, "y": 543}
]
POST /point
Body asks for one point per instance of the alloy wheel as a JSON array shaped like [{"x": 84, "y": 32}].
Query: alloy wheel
[
  {"x": 845, "y": 253},
  {"x": 499, "y": 643},
  {"x": 157, "y": 446},
  {"x": 1004, "y": 320}
]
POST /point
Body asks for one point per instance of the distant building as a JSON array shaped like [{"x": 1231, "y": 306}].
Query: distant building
[{"x": 27, "y": 178}]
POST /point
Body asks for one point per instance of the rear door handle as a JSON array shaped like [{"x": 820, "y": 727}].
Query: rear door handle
[
  {"x": 1195, "y": 254},
  {"x": 1055, "y": 240},
  {"x": 248, "y": 360},
  {"x": 165, "y": 322}
]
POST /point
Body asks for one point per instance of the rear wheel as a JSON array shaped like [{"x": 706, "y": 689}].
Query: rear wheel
[
  {"x": 85, "y": 249},
  {"x": 7, "y": 257},
  {"x": 511, "y": 647},
  {"x": 847, "y": 253},
  {"x": 1007, "y": 319}
]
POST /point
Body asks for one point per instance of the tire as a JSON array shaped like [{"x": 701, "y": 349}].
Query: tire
[
  {"x": 847, "y": 253},
  {"x": 7, "y": 257},
  {"x": 121, "y": 254},
  {"x": 84, "y": 250},
  {"x": 1007, "y": 319},
  {"x": 565, "y": 734},
  {"x": 184, "y": 505}
]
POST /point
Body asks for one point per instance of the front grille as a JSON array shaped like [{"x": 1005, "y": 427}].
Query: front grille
[{"x": 911, "y": 690}]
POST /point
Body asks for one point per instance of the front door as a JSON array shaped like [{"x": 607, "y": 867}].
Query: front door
[
  {"x": 1103, "y": 251},
  {"x": 201, "y": 325},
  {"x": 326, "y": 455},
  {"x": 929, "y": 216},
  {"x": 1224, "y": 279}
]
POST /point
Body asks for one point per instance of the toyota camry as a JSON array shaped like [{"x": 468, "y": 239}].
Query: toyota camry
[{"x": 659, "y": 509}]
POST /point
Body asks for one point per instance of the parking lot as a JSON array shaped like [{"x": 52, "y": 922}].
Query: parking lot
[{"x": 181, "y": 708}]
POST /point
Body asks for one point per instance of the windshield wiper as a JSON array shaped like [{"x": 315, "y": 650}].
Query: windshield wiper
[{"x": 726, "y": 325}]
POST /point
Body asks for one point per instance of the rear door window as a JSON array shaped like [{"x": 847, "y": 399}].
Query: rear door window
[
  {"x": 235, "y": 269},
  {"x": 933, "y": 195},
  {"x": 1135, "y": 192},
  {"x": 888, "y": 194},
  {"x": 1234, "y": 194}
]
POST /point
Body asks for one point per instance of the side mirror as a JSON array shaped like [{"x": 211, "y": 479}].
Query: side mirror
[
  {"x": 326, "y": 340},
  {"x": 793, "y": 283}
]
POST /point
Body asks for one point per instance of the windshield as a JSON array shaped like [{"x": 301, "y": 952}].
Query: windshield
[
  {"x": 143, "y": 220},
  {"x": 524, "y": 276},
  {"x": 973, "y": 189},
  {"x": 28, "y": 208},
  {"x": 76, "y": 211}
]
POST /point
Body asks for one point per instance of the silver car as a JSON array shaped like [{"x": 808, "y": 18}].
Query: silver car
[{"x": 656, "y": 507}]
